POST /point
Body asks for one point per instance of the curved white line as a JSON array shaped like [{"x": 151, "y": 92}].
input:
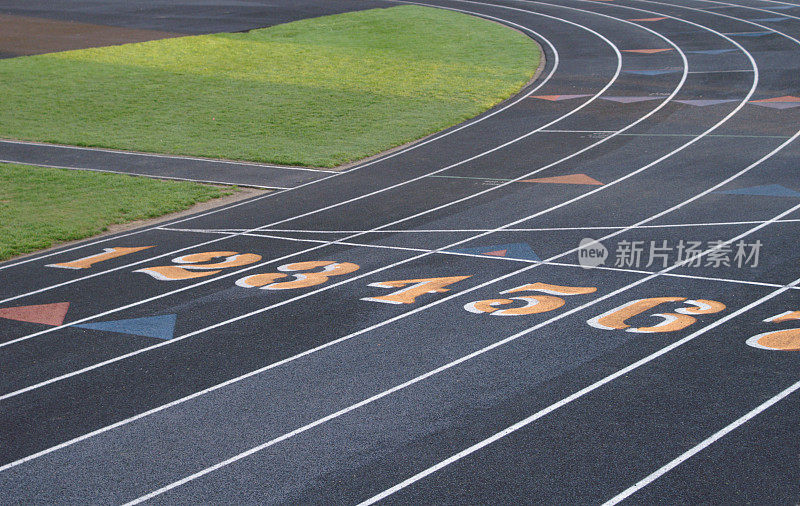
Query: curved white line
[
  {"x": 236, "y": 273},
  {"x": 315, "y": 423},
  {"x": 254, "y": 372},
  {"x": 196, "y": 394},
  {"x": 433, "y": 138},
  {"x": 620, "y": 373},
  {"x": 545, "y": 411},
  {"x": 136, "y": 352}
]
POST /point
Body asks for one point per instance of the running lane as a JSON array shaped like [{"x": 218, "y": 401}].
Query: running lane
[{"x": 396, "y": 379}]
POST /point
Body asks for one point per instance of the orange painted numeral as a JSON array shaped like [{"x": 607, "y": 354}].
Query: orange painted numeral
[
  {"x": 413, "y": 289},
  {"x": 778, "y": 340},
  {"x": 304, "y": 280},
  {"x": 784, "y": 317},
  {"x": 192, "y": 266},
  {"x": 108, "y": 254},
  {"x": 671, "y": 322},
  {"x": 533, "y": 304}
]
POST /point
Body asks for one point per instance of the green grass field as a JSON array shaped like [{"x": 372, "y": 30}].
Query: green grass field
[
  {"x": 317, "y": 92},
  {"x": 40, "y": 206}
]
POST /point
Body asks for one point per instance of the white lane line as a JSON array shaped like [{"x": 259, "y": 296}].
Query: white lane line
[
  {"x": 229, "y": 382},
  {"x": 354, "y": 278},
  {"x": 764, "y": 28},
  {"x": 433, "y": 138},
  {"x": 719, "y": 71},
  {"x": 151, "y": 176},
  {"x": 457, "y": 362},
  {"x": 509, "y": 259},
  {"x": 772, "y": 2},
  {"x": 252, "y": 373},
  {"x": 778, "y": 2},
  {"x": 402, "y": 485},
  {"x": 732, "y": 33},
  {"x": 592, "y": 387},
  {"x": 197, "y": 394},
  {"x": 137, "y": 232},
  {"x": 753, "y": 8},
  {"x": 333, "y": 242},
  {"x": 730, "y": 136},
  {"x": 159, "y": 155},
  {"x": 465, "y": 230},
  {"x": 475, "y": 177},
  {"x": 701, "y": 446},
  {"x": 379, "y": 228},
  {"x": 334, "y": 285},
  {"x": 308, "y": 352},
  {"x": 563, "y": 402},
  {"x": 171, "y": 253},
  {"x": 551, "y": 131},
  {"x": 727, "y": 136}
]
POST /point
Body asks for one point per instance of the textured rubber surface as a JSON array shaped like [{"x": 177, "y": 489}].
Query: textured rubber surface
[{"x": 310, "y": 393}]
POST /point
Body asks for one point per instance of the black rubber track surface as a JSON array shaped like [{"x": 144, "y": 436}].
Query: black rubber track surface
[{"x": 321, "y": 392}]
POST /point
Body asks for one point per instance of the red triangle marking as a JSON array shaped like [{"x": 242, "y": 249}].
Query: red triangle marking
[
  {"x": 786, "y": 98},
  {"x": 500, "y": 253},
  {"x": 568, "y": 179},
  {"x": 648, "y": 19},
  {"x": 556, "y": 98},
  {"x": 646, "y": 51},
  {"x": 48, "y": 314}
]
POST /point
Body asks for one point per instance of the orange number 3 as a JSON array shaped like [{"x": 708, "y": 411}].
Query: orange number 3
[{"x": 306, "y": 279}]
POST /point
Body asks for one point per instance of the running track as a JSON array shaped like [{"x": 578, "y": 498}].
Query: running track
[{"x": 339, "y": 341}]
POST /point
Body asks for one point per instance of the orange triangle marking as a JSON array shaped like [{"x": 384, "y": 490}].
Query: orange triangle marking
[
  {"x": 646, "y": 51},
  {"x": 548, "y": 97},
  {"x": 648, "y": 19},
  {"x": 47, "y": 314},
  {"x": 568, "y": 179},
  {"x": 500, "y": 253},
  {"x": 787, "y": 98}
]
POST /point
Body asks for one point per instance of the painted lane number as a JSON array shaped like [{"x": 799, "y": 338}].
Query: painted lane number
[
  {"x": 107, "y": 254},
  {"x": 199, "y": 265},
  {"x": 670, "y": 322},
  {"x": 410, "y": 289},
  {"x": 778, "y": 340},
  {"x": 534, "y": 304},
  {"x": 302, "y": 279}
]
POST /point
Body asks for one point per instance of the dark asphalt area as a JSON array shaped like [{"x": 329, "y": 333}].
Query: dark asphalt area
[{"x": 338, "y": 341}]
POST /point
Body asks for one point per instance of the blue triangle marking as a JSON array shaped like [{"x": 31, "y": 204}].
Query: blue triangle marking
[
  {"x": 748, "y": 34},
  {"x": 161, "y": 327},
  {"x": 650, "y": 72},
  {"x": 768, "y": 190},
  {"x": 712, "y": 51},
  {"x": 519, "y": 250},
  {"x": 768, "y": 20},
  {"x": 781, "y": 7}
]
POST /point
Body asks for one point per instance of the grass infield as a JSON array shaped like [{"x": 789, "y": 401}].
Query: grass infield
[
  {"x": 316, "y": 92},
  {"x": 41, "y": 206}
]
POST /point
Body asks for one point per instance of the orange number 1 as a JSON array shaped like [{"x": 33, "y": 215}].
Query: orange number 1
[{"x": 108, "y": 254}]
